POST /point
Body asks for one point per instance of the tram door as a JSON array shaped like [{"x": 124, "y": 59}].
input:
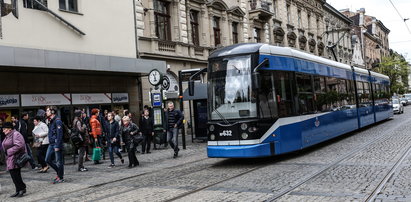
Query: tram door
[{"x": 200, "y": 119}]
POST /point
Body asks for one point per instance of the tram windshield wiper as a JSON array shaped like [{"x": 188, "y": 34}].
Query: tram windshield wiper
[{"x": 221, "y": 116}]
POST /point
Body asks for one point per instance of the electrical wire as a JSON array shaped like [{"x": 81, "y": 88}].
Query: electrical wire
[{"x": 399, "y": 14}]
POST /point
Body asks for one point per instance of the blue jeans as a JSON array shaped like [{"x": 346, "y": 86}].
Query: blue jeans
[
  {"x": 58, "y": 164},
  {"x": 172, "y": 138},
  {"x": 113, "y": 148}
]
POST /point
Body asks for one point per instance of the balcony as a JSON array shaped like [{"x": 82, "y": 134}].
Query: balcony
[
  {"x": 261, "y": 10},
  {"x": 166, "y": 46}
]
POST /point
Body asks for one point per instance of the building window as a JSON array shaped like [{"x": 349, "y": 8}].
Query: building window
[
  {"x": 235, "y": 32},
  {"x": 68, "y": 5},
  {"x": 288, "y": 14},
  {"x": 299, "y": 18},
  {"x": 33, "y": 5},
  {"x": 318, "y": 26},
  {"x": 257, "y": 33},
  {"x": 194, "y": 27},
  {"x": 162, "y": 19},
  {"x": 217, "y": 31}
]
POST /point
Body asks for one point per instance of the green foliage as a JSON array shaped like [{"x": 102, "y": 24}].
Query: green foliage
[{"x": 396, "y": 67}]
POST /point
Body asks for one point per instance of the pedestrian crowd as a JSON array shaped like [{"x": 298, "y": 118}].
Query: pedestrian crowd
[{"x": 90, "y": 136}]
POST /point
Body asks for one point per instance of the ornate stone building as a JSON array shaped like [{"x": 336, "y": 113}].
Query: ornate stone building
[
  {"x": 372, "y": 36},
  {"x": 183, "y": 33}
]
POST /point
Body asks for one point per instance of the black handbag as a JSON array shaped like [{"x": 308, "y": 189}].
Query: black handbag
[{"x": 22, "y": 160}]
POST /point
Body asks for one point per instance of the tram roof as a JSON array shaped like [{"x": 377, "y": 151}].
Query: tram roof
[{"x": 245, "y": 48}]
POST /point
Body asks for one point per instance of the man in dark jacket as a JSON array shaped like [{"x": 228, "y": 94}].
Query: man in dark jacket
[
  {"x": 112, "y": 129},
  {"x": 174, "y": 120},
  {"x": 56, "y": 144}
]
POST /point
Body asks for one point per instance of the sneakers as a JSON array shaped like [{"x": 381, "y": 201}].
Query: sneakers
[
  {"x": 59, "y": 181},
  {"x": 112, "y": 166},
  {"x": 83, "y": 169}
]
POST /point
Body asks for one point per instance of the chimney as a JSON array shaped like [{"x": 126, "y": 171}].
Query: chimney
[
  {"x": 362, "y": 13},
  {"x": 374, "y": 25}
]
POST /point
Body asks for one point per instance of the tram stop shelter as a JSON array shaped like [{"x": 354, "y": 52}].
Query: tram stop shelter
[{"x": 198, "y": 110}]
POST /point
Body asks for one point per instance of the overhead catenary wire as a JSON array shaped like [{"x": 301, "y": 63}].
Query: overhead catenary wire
[{"x": 402, "y": 18}]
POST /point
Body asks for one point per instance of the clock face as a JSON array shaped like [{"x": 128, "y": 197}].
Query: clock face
[{"x": 154, "y": 77}]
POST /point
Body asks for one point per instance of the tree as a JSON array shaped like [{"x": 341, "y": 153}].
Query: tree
[{"x": 396, "y": 68}]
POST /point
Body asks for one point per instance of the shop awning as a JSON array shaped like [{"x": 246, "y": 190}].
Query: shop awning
[
  {"x": 200, "y": 92},
  {"x": 60, "y": 60}
]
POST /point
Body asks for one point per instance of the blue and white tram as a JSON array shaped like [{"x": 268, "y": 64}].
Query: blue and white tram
[{"x": 266, "y": 100}]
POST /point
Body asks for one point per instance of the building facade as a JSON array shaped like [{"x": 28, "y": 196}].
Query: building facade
[
  {"x": 372, "y": 36},
  {"x": 71, "y": 54},
  {"x": 183, "y": 33}
]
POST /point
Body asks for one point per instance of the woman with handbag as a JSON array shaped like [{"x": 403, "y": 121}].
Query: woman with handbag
[
  {"x": 15, "y": 148},
  {"x": 129, "y": 132},
  {"x": 41, "y": 142}
]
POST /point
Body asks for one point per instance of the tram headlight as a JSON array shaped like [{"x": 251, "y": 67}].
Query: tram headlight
[
  {"x": 252, "y": 129},
  {"x": 244, "y": 126},
  {"x": 244, "y": 136},
  {"x": 212, "y": 137},
  {"x": 211, "y": 128}
]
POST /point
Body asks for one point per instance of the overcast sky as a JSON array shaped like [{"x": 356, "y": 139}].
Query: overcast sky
[{"x": 400, "y": 36}]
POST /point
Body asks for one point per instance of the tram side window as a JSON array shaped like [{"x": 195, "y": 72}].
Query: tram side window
[
  {"x": 268, "y": 103},
  {"x": 305, "y": 94},
  {"x": 351, "y": 92},
  {"x": 332, "y": 96},
  {"x": 320, "y": 93},
  {"x": 283, "y": 82},
  {"x": 365, "y": 98}
]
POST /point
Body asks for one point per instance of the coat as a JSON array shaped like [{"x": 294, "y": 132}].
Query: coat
[
  {"x": 128, "y": 131},
  {"x": 56, "y": 132},
  {"x": 43, "y": 131},
  {"x": 146, "y": 125},
  {"x": 178, "y": 118},
  {"x": 95, "y": 125},
  {"x": 112, "y": 131},
  {"x": 13, "y": 146},
  {"x": 82, "y": 128}
]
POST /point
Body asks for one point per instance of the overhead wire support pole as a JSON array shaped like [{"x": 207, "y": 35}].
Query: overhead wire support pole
[{"x": 338, "y": 41}]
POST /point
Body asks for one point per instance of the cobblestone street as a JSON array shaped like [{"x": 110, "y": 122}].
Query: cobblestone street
[{"x": 370, "y": 164}]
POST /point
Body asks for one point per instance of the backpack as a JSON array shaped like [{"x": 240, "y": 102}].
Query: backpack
[
  {"x": 66, "y": 131},
  {"x": 75, "y": 136}
]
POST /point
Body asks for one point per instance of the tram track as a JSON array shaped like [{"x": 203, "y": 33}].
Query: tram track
[
  {"x": 91, "y": 187},
  {"x": 382, "y": 137},
  {"x": 388, "y": 176},
  {"x": 364, "y": 146}
]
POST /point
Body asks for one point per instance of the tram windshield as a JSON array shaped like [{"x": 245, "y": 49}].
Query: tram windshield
[{"x": 230, "y": 89}]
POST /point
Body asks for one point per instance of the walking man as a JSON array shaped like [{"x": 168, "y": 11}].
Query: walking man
[
  {"x": 56, "y": 144},
  {"x": 174, "y": 120}
]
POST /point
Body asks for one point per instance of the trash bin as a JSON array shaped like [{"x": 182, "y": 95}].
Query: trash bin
[{"x": 160, "y": 137}]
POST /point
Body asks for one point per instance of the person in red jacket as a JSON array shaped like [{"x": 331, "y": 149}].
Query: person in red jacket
[{"x": 96, "y": 129}]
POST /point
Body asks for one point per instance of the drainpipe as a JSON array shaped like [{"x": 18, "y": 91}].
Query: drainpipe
[{"x": 135, "y": 28}]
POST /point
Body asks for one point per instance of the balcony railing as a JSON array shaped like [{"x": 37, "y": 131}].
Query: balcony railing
[{"x": 166, "y": 46}]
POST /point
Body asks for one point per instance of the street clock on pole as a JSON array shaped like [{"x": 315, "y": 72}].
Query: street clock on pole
[{"x": 155, "y": 77}]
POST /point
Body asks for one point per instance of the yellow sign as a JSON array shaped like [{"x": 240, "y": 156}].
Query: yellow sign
[{"x": 6, "y": 115}]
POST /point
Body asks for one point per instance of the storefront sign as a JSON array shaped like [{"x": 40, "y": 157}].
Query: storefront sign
[
  {"x": 28, "y": 100},
  {"x": 91, "y": 98},
  {"x": 9, "y": 101},
  {"x": 120, "y": 97}
]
